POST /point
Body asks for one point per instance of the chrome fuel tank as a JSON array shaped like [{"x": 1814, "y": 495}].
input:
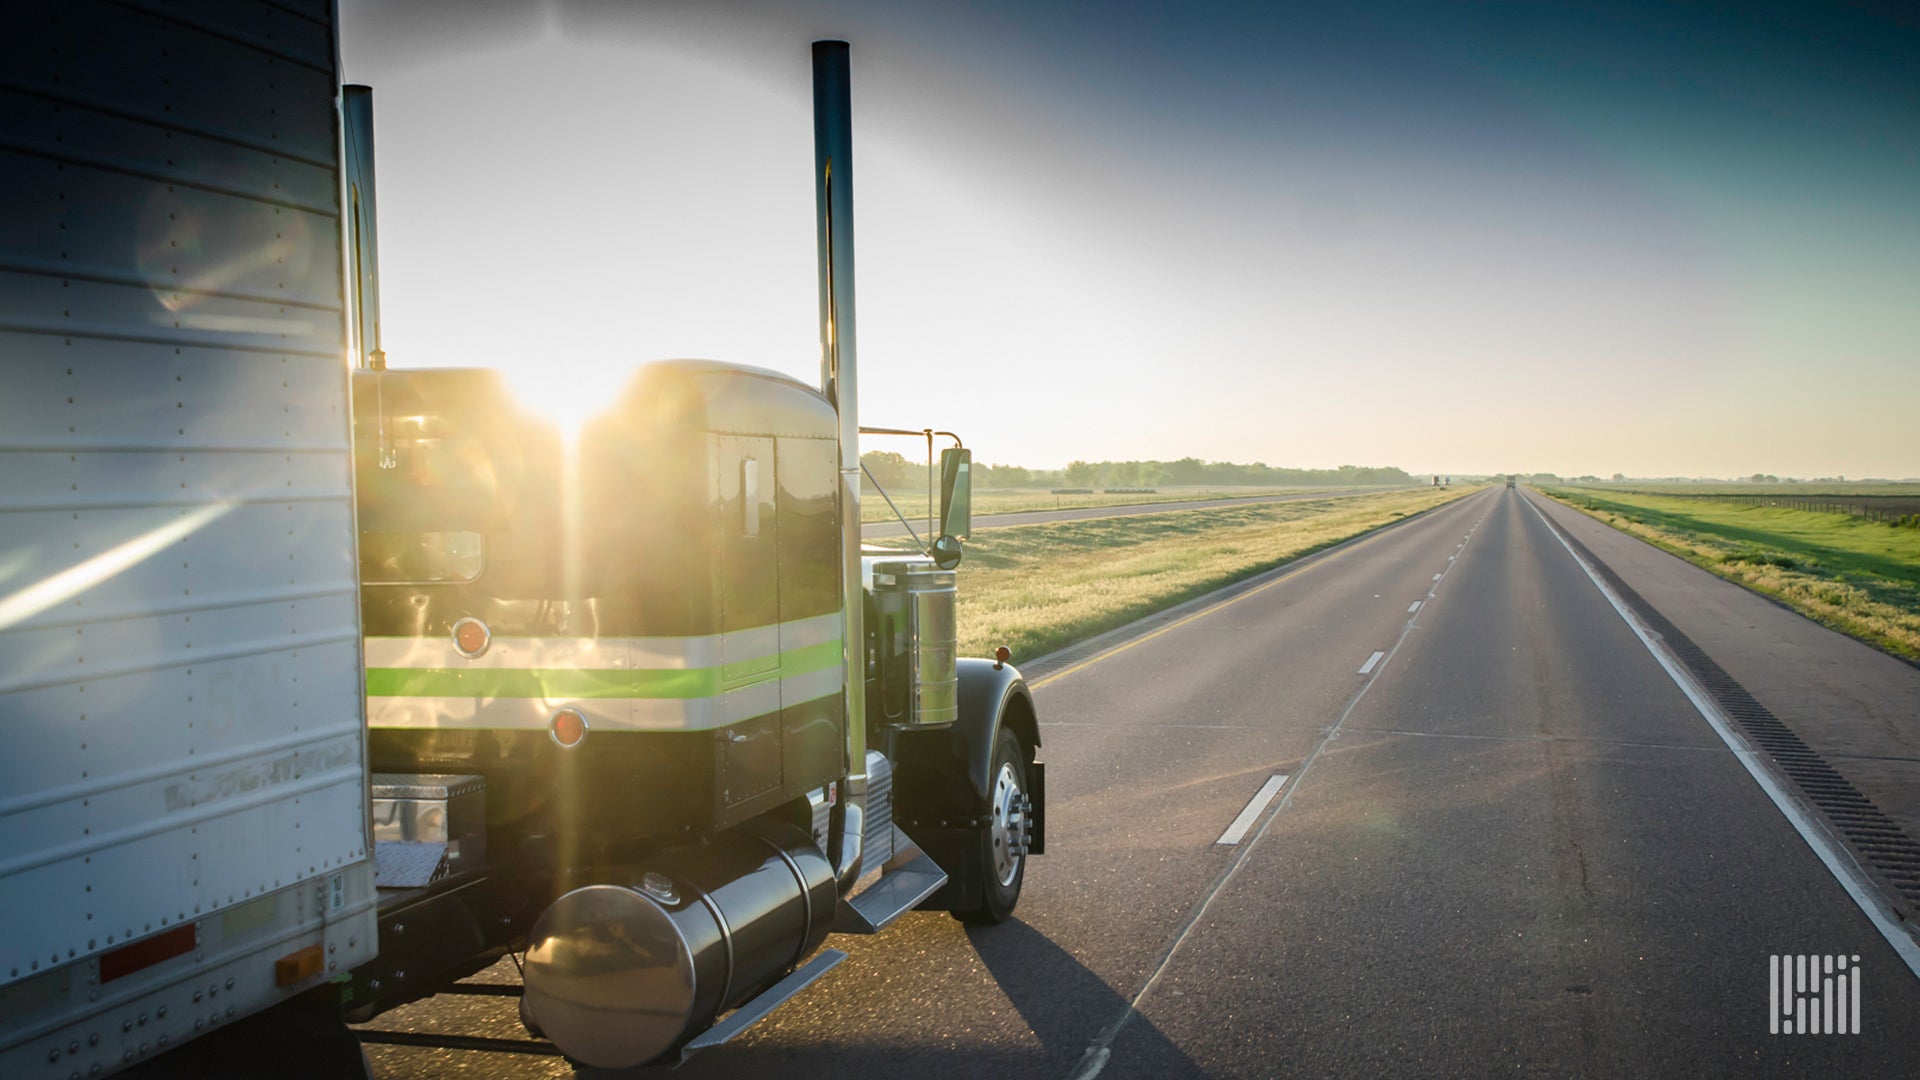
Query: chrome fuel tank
[{"x": 618, "y": 975}]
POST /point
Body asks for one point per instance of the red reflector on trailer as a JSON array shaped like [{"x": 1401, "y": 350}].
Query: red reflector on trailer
[
  {"x": 568, "y": 727},
  {"x": 147, "y": 952}
]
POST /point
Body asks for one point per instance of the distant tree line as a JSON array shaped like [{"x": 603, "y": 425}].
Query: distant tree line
[{"x": 895, "y": 470}]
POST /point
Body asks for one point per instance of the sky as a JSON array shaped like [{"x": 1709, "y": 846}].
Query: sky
[{"x": 1664, "y": 240}]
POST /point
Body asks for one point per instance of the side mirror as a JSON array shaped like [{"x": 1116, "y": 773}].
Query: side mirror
[
  {"x": 956, "y": 506},
  {"x": 956, "y": 492},
  {"x": 946, "y": 553}
]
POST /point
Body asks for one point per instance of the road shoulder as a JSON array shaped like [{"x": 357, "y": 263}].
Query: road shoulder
[{"x": 1850, "y": 703}]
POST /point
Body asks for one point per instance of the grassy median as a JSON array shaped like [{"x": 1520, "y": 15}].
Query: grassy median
[
  {"x": 913, "y": 501},
  {"x": 1036, "y": 588},
  {"x": 1857, "y": 576}
]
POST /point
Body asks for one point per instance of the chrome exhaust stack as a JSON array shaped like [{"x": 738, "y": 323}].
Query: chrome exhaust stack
[
  {"x": 833, "y": 212},
  {"x": 363, "y": 265}
]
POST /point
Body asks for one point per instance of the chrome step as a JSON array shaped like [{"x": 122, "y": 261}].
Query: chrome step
[
  {"x": 904, "y": 884},
  {"x": 768, "y": 1000}
]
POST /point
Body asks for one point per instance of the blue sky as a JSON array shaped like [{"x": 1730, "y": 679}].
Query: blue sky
[{"x": 1674, "y": 240}]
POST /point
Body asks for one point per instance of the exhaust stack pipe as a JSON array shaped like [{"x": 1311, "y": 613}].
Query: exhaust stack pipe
[
  {"x": 356, "y": 108},
  {"x": 833, "y": 212}
]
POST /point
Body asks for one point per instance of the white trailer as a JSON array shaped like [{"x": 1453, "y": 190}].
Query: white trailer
[{"x": 184, "y": 834}]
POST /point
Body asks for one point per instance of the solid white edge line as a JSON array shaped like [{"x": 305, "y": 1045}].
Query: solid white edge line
[
  {"x": 1367, "y": 667},
  {"x": 1838, "y": 862},
  {"x": 1237, "y": 831}
]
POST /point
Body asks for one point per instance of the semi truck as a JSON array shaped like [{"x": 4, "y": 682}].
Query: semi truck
[{"x": 329, "y": 682}]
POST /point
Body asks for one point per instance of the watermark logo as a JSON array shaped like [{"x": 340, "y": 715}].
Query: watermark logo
[{"x": 1813, "y": 995}]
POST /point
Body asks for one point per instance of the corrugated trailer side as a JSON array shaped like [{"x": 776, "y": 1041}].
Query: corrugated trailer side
[{"x": 183, "y": 805}]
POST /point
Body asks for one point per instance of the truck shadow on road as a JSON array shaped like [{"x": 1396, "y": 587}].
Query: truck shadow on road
[
  {"x": 958, "y": 1034},
  {"x": 1068, "y": 1006}
]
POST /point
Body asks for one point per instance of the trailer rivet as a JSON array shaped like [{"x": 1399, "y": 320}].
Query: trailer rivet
[
  {"x": 229, "y": 984},
  {"x": 161, "y": 1042},
  {"x": 126, "y": 1026},
  {"x": 142, "y": 1020},
  {"x": 229, "y": 1010},
  {"x": 53, "y": 1054},
  {"x": 196, "y": 997},
  {"x": 73, "y": 1047},
  {"x": 93, "y": 1039},
  {"x": 198, "y": 1023},
  {"x": 161, "y": 1012}
]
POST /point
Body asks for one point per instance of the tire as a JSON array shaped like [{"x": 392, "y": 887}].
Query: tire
[{"x": 1002, "y": 874}]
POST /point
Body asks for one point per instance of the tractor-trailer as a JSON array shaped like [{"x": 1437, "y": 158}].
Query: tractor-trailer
[{"x": 634, "y": 704}]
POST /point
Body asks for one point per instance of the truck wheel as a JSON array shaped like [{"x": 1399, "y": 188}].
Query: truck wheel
[{"x": 1000, "y": 858}]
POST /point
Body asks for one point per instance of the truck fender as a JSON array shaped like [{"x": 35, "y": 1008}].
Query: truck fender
[{"x": 942, "y": 778}]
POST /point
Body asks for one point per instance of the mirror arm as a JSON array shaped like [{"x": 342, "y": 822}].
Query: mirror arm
[{"x": 924, "y": 549}]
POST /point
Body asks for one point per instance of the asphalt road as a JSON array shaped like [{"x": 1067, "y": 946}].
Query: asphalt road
[
  {"x": 1509, "y": 846},
  {"x": 874, "y": 530}
]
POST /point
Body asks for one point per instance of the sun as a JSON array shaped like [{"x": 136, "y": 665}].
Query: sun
[{"x": 567, "y": 392}]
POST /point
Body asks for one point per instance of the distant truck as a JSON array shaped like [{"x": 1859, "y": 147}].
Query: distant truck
[
  {"x": 634, "y": 704},
  {"x": 1509, "y": 481}
]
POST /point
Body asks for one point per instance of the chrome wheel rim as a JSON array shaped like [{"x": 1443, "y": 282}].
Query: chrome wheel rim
[{"x": 1009, "y": 828}]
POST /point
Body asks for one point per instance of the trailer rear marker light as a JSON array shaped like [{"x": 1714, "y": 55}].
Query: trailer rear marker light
[
  {"x": 568, "y": 727},
  {"x": 471, "y": 637},
  {"x": 1263, "y": 798}
]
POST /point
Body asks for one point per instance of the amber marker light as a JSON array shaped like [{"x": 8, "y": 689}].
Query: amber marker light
[
  {"x": 471, "y": 637},
  {"x": 568, "y": 728},
  {"x": 1000, "y": 656}
]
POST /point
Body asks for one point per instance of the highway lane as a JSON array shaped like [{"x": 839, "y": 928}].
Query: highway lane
[
  {"x": 1510, "y": 846},
  {"x": 875, "y": 530}
]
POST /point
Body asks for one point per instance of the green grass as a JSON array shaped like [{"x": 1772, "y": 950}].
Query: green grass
[
  {"x": 1037, "y": 588},
  {"x": 1857, "y": 576},
  {"x": 913, "y": 501},
  {"x": 1808, "y": 490}
]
